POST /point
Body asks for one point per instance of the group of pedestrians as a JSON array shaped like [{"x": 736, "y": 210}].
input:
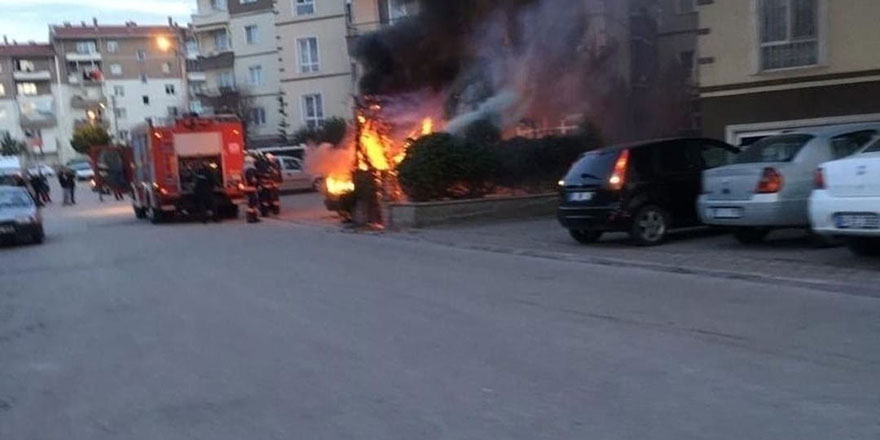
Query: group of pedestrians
[{"x": 40, "y": 185}]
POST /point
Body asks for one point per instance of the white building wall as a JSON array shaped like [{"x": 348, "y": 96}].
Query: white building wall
[{"x": 136, "y": 112}]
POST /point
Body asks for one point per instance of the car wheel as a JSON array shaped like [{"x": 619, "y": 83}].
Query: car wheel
[
  {"x": 139, "y": 212},
  {"x": 585, "y": 237},
  {"x": 39, "y": 237},
  {"x": 823, "y": 241},
  {"x": 155, "y": 216},
  {"x": 864, "y": 247},
  {"x": 650, "y": 226},
  {"x": 750, "y": 235}
]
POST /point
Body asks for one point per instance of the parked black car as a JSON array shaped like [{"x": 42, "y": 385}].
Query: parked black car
[{"x": 643, "y": 188}]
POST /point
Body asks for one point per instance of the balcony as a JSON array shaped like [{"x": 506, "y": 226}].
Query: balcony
[
  {"x": 212, "y": 20},
  {"x": 37, "y": 111},
  {"x": 196, "y": 76},
  {"x": 87, "y": 79},
  {"x": 39, "y": 75},
  {"x": 85, "y": 102},
  {"x": 224, "y": 60},
  {"x": 80, "y": 56}
]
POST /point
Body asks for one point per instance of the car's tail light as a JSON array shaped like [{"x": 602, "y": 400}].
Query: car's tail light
[
  {"x": 770, "y": 183},
  {"x": 618, "y": 176},
  {"x": 819, "y": 178}
]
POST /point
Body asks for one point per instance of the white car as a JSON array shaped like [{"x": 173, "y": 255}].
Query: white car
[
  {"x": 46, "y": 170},
  {"x": 846, "y": 201},
  {"x": 83, "y": 171},
  {"x": 294, "y": 175}
]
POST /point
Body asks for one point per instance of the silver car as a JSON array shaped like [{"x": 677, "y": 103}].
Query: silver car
[
  {"x": 768, "y": 185},
  {"x": 20, "y": 218}
]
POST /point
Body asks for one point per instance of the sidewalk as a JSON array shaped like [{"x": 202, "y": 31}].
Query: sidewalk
[{"x": 788, "y": 257}]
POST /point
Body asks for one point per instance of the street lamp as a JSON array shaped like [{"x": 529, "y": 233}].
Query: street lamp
[{"x": 164, "y": 43}]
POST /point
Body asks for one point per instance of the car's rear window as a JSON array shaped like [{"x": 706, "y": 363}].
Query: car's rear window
[
  {"x": 14, "y": 198},
  {"x": 781, "y": 148},
  {"x": 594, "y": 166}
]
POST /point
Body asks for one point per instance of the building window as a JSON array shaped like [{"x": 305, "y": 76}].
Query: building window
[
  {"x": 252, "y": 34},
  {"x": 143, "y": 78},
  {"x": 245, "y": 2},
  {"x": 120, "y": 113},
  {"x": 173, "y": 111},
  {"x": 141, "y": 54},
  {"x": 25, "y": 66},
  {"x": 112, "y": 46},
  {"x": 226, "y": 80},
  {"x": 218, "y": 5},
  {"x": 304, "y": 7},
  {"x": 166, "y": 67},
  {"x": 116, "y": 69},
  {"x": 313, "y": 110},
  {"x": 86, "y": 47},
  {"x": 118, "y": 91},
  {"x": 27, "y": 88},
  {"x": 789, "y": 33},
  {"x": 221, "y": 40},
  {"x": 123, "y": 134},
  {"x": 258, "y": 116},
  {"x": 308, "y": 54},
  {"x": 686, "y": 6},
  {"x": 169, "y": 89},
  {"x": 146, "y": 99},
  {"x": 255, "y": 75}
]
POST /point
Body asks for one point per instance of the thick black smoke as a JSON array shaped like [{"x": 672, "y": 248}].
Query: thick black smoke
[{"x": 429, "y": 50}]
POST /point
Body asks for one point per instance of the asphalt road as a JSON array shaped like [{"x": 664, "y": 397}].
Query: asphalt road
[{"x": 117, "y": 329}]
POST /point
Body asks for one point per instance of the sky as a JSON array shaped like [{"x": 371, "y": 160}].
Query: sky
[{"x": 25, "y": 20}]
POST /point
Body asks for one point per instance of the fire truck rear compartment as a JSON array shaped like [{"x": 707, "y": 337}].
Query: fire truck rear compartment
[{"x": 189, "y": 167}]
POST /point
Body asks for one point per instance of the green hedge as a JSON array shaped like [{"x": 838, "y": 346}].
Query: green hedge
[{"x": 442, "y": 166}]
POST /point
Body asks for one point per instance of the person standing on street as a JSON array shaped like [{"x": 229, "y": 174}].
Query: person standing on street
[
  {"x": 251, "y": 182},
  {"x": 65, "y": 183},
  {"x": 204, "y": 194}
]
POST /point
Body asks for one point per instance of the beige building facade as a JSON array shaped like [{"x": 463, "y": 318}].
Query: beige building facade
[
  {"x": 236, "y": 64},
  {"x": 770, "y": 65},
  {"x": 315, "y": 70}
]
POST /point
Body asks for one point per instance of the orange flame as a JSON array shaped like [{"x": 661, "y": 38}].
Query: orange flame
[
  {"x": 339, "y": 185},
  {"x": 427, "y": 126}
]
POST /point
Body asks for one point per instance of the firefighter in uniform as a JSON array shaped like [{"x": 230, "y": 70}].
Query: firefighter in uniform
[
  {"x": 272, "y": 184},
  {"x": 251, "y": 182}
]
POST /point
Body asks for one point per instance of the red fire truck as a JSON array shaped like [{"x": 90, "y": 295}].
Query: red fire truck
[{"x": 168, "y": 155}]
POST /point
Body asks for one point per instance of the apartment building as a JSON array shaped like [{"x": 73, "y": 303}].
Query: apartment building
[
  {"x": 28, "y": 97},
  {"x": 236, "y": 67},
  {"x": 315, "y": 70},
  {"x": 116, "y": 76},
  {"x": 771, "y": 65}
]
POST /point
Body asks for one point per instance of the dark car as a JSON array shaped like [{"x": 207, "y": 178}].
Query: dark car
[
  {"x": 20, "y": 218},
  {"x": 644, "y": 188}
]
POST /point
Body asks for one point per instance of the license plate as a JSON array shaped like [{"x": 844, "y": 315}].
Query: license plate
[
  {"x": 857, "y": 221},
  {"x": 727, "y": 213},
  {"x": 580, "y": 196},
  {"x": 7, "y": 230}
]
